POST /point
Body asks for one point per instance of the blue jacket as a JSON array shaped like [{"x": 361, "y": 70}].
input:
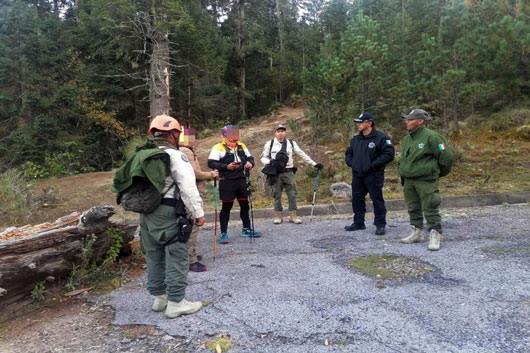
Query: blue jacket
[{"x": 368, "y": 154}]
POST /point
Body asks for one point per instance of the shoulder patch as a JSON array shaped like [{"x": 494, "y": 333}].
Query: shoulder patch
[{"x": 184, "y": 158}]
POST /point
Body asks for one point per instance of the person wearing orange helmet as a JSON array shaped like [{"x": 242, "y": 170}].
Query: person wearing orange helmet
[
  {"x": 164, "y": 245},
  {"x": 186, "y": 145},
  {"x": 232, "y": 159}
]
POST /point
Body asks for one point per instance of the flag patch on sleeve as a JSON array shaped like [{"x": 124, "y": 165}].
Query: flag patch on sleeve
[
  {"x": 388, "y": 142},
  {"x": 441, "y": 146}
]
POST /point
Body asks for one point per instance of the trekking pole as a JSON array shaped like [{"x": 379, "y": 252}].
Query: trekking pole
[
  {"x": 216, "y": 207},
  {"x": 314, "y": 195},
  {"x": 249, "y": 193}
]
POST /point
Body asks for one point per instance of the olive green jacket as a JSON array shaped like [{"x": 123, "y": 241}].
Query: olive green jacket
[
  {"x": 425, "y": 155},
  {"x": 149, "y": 162}
]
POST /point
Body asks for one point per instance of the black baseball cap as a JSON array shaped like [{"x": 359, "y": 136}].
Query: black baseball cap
[{"x": 364, "y": 117}]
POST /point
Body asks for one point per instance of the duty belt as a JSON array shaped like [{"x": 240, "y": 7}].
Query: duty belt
[
  {"x": 169, "y": 202},
  {"x": 288, "y": 170}
]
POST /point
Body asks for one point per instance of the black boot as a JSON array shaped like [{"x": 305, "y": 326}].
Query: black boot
[
  {"x": 380, "y": 230},
  {"x": 354, "y": 227}
]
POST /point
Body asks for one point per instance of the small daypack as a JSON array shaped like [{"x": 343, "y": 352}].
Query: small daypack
[
  {"x": 282, "y": 157},
  {"x": 140, "y": 180}
]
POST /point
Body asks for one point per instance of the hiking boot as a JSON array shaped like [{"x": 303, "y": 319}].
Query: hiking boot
[
  {"x": 223, "y": 239},
  {"x": 160, "y": 303},
  {"x": 279, "y": 218},
  {"x": 197, "y": 267},
  {"x": 247, "y": 233},
  {"x": 293, "y": 218},
  {"x": 415, "y": 237},
  {"x": 183, "y": 307},
  {"x": 354, "y": 227},
  {"x": 380, "y": 230},
  {"x": 434, "y": 240}
]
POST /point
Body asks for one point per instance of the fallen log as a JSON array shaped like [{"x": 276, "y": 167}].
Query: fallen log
[{"x": 32, "y": 254}]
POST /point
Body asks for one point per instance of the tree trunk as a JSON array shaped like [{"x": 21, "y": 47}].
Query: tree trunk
[
  {"x": 189, "y": 89},
  {"x": 242, "y": 61},
  {"x": 454, "y": 92},
  {"x": 363, "y": 92},
  {"x": 159, "y": 77},
  {"x": 281, "y": 35},
  {"x": 446, "y": 121},
  {"x": 56, "y": 8},
  {"x": 456, "y": 126},
  {"x": 29, "y": 255},
  {"x": 403, "y": 12}
]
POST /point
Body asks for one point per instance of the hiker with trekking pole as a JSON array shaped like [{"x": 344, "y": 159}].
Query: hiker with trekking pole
[
  {"x": 232, "y": 158},
  {"x": 277, "y": 157}
]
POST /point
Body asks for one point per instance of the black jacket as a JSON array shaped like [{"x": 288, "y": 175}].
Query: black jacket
[{"x": 369, "y": 154}]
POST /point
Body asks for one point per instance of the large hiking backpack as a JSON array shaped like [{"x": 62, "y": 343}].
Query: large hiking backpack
[{"x": 141, "y": 179}]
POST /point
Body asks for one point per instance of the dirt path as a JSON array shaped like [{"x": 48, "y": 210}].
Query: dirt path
[{"x": 74, "y": 325}]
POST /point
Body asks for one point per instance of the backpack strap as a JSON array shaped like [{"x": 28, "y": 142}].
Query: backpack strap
[
  {"x": 164, "y": 148},
  {"x": 272, "y": 142}
]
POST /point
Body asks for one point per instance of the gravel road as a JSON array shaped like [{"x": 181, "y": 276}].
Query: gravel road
[{"x": 293, "y": 290}]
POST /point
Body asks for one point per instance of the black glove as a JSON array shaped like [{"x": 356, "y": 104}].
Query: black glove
[{"x": 319, "y": 166}]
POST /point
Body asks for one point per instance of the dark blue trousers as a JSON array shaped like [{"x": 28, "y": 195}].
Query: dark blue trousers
[{"x": 369, "y": 184}]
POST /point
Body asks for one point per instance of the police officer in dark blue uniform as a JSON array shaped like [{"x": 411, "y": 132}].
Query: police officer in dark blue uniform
[{"x": 367, "y": 155}]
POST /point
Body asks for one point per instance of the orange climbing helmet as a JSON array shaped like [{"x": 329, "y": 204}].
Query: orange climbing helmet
[{"x": 164, "y": 123}]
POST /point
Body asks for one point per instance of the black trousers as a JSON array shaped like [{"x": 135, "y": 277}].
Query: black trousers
[{"x": 369, "y": 184}]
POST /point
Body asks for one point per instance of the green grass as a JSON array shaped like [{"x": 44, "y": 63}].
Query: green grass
[
  {"x": 225, "y": 343},
  {"x": 371, "y": 265},
  {"x": 390, "y": 266}
]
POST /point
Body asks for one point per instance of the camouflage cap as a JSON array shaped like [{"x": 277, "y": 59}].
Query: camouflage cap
[{"x": 417, "y": 114}]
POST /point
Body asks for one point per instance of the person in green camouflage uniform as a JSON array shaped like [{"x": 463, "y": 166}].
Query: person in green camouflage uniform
[{"x": 425, "y": 157}]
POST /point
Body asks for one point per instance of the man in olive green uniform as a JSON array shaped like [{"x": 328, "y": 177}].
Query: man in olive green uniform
[
  {"x": 162, "y": 240},
  {"x": 425, "y": 157}
]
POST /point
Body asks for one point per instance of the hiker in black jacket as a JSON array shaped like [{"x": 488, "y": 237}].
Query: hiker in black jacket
[{"x": 367, "y": 155}]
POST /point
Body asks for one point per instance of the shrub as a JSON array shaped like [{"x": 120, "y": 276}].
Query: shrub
[
  {"x": 131, "y": 145},
  {"x": 16, "y": 197},
  {"x": 510, "y": 118}
]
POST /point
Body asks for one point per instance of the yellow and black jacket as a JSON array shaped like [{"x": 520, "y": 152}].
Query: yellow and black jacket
[{"x": 222, "y": 155}]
